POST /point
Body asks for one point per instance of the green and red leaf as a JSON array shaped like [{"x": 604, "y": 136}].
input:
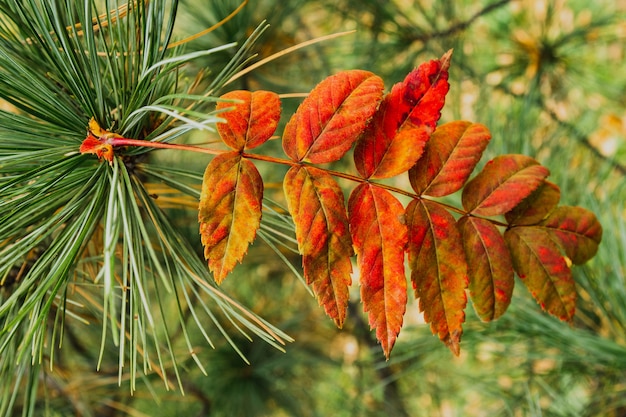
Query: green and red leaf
[
  {"x": 252, "y": 120},
  {"x": 490, "y": 267},
  {"x": 536, "y": 206},
  {"x": 544, "y": 270},
  {"x": 449, "y": 158},
  {"x": 438, "y": 269},
  {"x": 332, "y": 117},
  {"x": 502, "y": 184},
  {"x": 316, "y": 204},
  {"x": 229, "y": 212},
  {"x": 380, "y": 237},
  {"x": 407, "y": 116},
  {"x": 576, "y": 230}
]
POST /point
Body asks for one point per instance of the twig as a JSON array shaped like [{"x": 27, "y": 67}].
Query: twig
[{"x": 461, "y": 26}]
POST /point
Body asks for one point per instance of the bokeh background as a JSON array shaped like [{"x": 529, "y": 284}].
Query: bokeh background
[{"x": 549, "y": 80}]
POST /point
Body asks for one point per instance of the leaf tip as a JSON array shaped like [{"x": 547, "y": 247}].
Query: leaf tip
[
  {"x": 453, "y": 341},
  {"x": 445, "y": 59}
]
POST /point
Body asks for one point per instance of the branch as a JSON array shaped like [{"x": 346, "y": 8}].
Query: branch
[{"x": 461, "y": 26}]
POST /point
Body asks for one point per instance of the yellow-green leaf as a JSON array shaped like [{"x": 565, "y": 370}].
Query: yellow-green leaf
[{"x": 230, "y": 211}]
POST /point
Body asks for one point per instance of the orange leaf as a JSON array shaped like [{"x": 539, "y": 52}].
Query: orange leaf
[
  {"x": 103, "y": 150},
  {"x": 252, "y": 121},
  {"x": 395, "y": 138},
  {"x": 576, "y": 230},
  {"x": 438, "y": 269},
  {"x": 380, "y": 237},
  {"x": 332, "y": 117},
  {"x": 450, "y": 156},
  {"x": 536, "y": 206},
  {"x": 489, "y": 266},
  {"x": 543, "y": 269},
  {"x": 316, "y": 204},
  {"x": 502, "y": 184},
  {"x": 229, "y": 211},
  {"x": 97, "y": 141}
]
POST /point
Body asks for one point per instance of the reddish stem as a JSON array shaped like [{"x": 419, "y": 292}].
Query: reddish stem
[
  {"x": 114, "y": 141},
  {"x": 117, "y": 141}
]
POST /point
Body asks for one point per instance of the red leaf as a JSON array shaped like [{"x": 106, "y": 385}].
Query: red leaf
[
  {"x": 103, "y": 150},
  {"x": 252, "y": 121},
  {"x": 502, "y": 184},
  {"x": 439, "y": 269},
  {"x": 489, "y": 265},
  {"x": 543, "y": 269},
  {"x": 536, "y": 206},
  {"x": 332, "y": 117},
  {"x": 97, "y": 141},
  {"x": 450, "y": 156},
  {"x": 316, "y": 204},
  {"x": 576, "y": 230},
  {"x": 395, "y": 138},
  {"x": 229, "y": 211},
  {"x": 379, "y": 236}
]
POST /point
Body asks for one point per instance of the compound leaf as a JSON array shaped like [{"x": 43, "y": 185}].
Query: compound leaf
[
  {"x": 490, "y": 268},
  {"x": 539, "y": 263},
  {"x": 229, "y": 211},
  {"x": 449, "y": 158},
  {"x": 395, "y": 138},
  {"x": 317, "y": 207},
  {"x": 438, "y": 269},
  {"x": 503, "y": 183},
  {"x": 252, "y": 120},
  {"x": 380, "y": 236},
  {"x": 332, "y": 117}
]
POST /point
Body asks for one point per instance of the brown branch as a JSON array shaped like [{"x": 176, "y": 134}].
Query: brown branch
[{"x": 461, "y": 26}]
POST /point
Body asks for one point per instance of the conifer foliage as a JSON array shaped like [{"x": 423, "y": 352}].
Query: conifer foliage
[{"x": 509, "y": 223}]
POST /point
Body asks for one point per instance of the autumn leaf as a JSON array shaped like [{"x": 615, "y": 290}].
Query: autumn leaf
[
  {"x": 539, "y": 263},
  {"x": 449, "y": 158},
  {"x": 438, "y": 269},
  {"x": 576, "y": 230},
  {"x": 536, "y": 206},
  {"x": 503, "y": 183},
  {"x": 490, "y": 267},
  {"x": 100, "y": 148},
  {"x": 229, "y": 211},
  {"x": 97, "y": 142},
  {"x": 332, "y": 117},
  {"x": 395, "y": 138},
  {"x": 317, "y": 207},
  {"x": 252, "y": 120},
  {"x": 380, "y": 237}
]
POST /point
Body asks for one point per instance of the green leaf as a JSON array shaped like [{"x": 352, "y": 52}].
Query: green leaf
[
  {"x": 438, "y": 269},
  {"x": 538, "y": 261},
  {"x": 576, "y": 230},
  {"x": 490, "y": 268}
]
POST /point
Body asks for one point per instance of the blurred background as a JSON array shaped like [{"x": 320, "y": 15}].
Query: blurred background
[{"x": 549, "y": 80}]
